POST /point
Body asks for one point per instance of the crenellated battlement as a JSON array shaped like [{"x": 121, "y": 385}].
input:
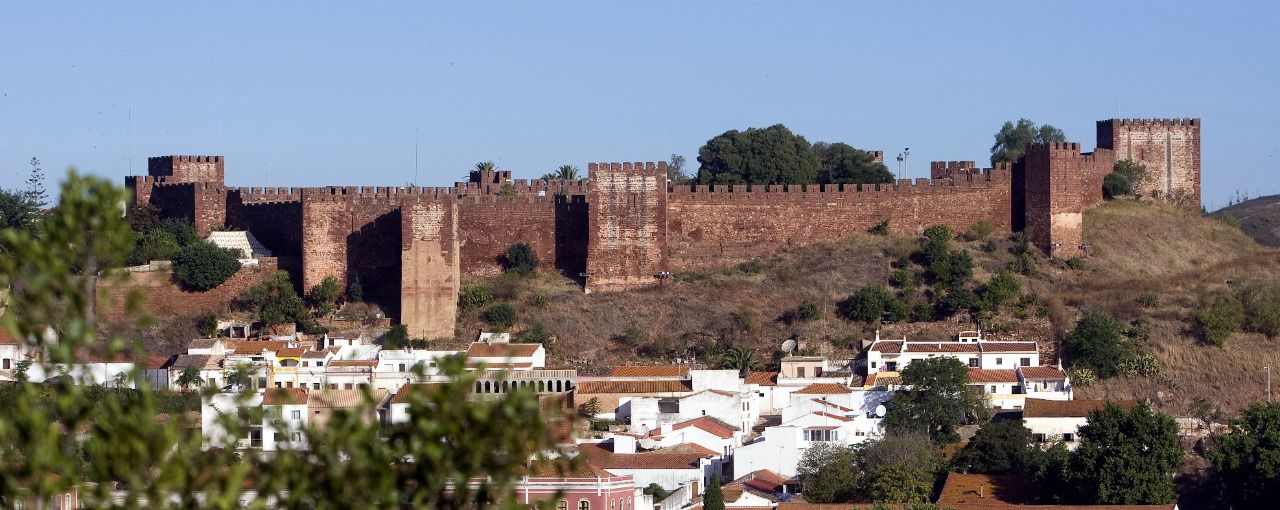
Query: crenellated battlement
[
  {"x": 980, "y": 179},
  {"x": 187, "y": 168},
  {"x": 1152, "y": 122},
  {"x": 638, "y": 168}
]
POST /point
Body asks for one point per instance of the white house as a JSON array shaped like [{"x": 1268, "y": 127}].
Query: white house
[
  {"x": 507, "y": 356},
  {"x": 1060, "y": 420},
  {"x": 812, "y": 420},
  {"x": 704, "y": 431},
  {"x": 972, "y": 349},
  {"x": 285, "y": 419},
  {"x": 669, "y": 470},
  {"x": 1045, "y": 383},
  {"x": 1000, "y": 387},
  {"x": 651, "y": 413}
]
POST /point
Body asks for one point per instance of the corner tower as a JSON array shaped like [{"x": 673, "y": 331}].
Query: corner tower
[
  {"x": 627, "y": 225},
  {"x": 1169, "y": 148}
]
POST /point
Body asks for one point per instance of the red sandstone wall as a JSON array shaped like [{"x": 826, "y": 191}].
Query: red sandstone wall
[
  {"x": 1169, "y": 148},
  {"x": 187, "y": 168},
  {"x": 713, "y": 226},
  {"x": 163, "y": 296},
  {"x": 1060, "y": 184},
  {"x": 627, "y": 230},
  {"x": 429, "y": 260},
  {"x": 488, "y": 225}
]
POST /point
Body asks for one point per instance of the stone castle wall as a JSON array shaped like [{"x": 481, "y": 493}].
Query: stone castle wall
[{"x": 1169, "y": 148}]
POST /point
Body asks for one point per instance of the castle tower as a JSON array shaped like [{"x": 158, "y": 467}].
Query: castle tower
[
  {"x": 1058, "y": 183},
  {"x": 187, "y": 168},
  {"x": 627, "y": 225},
  {"x": 1169, "y": 148}
]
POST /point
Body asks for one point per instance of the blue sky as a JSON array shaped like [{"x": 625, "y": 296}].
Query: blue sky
[{"x": 309, "y": 94}]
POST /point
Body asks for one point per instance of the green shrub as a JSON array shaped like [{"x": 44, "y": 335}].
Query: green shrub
[
  {"x": 501, "y": 316},
  {"x": 275, "y": 302},
  {"x": 474, "y": 296},
  {"x": 633, "y": 337},
  {"x": 867, "y": 305},
  {"x": 880, "y": 229},
  {"x": 1148, "y": 299},
  {"x": 988, "y": 246},
  {"x": 1218, "y": 318},
  {"x": 898, "y": 311},
  {"x": 395, "y": 338},
  {"x": 753, "y": 266},
  {"x": 1116, "y": 185},
  {"x": 1002, "y": 288},
  {"x": 355, "y": 291},
  {"x": 1139, "y": 329},
  {"x": 656, "y": 491},
  {"x": 1076, "y": 263},
  {"x": 207, "y": 325},
  {"x": 538, "y": 299},
  {"x": 957, "y": 300},
  {"x": 1144, "y": 365},
  {"x": 901, "y": 278},
  {"x": 807, "y": 312},
  {"x": 535, "y": 334},
  {"x": 1097, "y": 343},
  {"x": 520, "y": 259},
  {"x": 324, "y": 295},
  {"x": 979, "y": 231},
  {"x": 939, "y": 233},
  {"x": 203, "y": 265},
  {"x": 154, "y": 245},
  {"x": 922, "y": 312},
  {"x": 1082, "y": 377},
  {"x": 1262, "y": 309}
]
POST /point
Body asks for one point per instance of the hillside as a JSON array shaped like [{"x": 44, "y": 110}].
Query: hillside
[
  {"x": 1134, "y": 248},
  {"x": 1260, "y": 218}
]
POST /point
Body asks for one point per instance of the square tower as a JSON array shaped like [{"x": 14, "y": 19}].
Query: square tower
[
  {"x": 1169, "y": 148},
  {"x": 627, "y": 225},
  {"x": 187, "y": 168}
]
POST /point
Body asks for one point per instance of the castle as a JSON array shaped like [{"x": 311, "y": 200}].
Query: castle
[{"x": 627, "y": 227}]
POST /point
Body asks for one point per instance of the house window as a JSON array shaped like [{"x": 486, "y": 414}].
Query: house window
[
  {"x": 873, "y": 364},
  {"x": 319, "y": 363},
  {"x": 993, "y": 388},
  {"x": 296, "y": 436},
  {"x": 973, "y": 362},
  {"x": 348, "y": 386},
  {"x": 800, "y": 371},
  {"x": 304, "y": 363},
  {"x": 6, "y": 363},
  {"x": 1068, "y": 437},
  {"x": 262, "y": 383},
  {"x": 999, "y": 361},
  {"x": 584, "y": 504},
  {"x": 613, "y": 504},
  {"x": 820, "y": 435},
  {"x": 316, "y": 385},
  {"x": 295, "y": 414},
  {"x": 1026, "y": 362},
  {"x": 288, "y": 384},
  {"x": 402, "y": 367},
  {"x": 562, "y": 505},
  {"x": 668, "y": 406},
  {"x": 1038, "y": 437}
]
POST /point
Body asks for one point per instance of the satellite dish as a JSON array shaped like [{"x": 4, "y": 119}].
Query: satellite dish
[
  {"x": 789, "y": 345},
  {"x": 648, "y": 443},
  {"x": 880, "y": 411}
]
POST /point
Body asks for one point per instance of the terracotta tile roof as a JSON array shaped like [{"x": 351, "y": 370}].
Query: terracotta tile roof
[
  {"x": 160, "y": 362},
  {"x": 402, "y": 394},
  {"x": 315, "y": 354},
  {"x": 716, "y": 427},
  {"x": 762, "y": 378},
  {"x": 831, "y": 506},
  {"x": 485, "y": 364},
  {"x": 202, "y": 343},
  {"x": 291, "y": 352},
  {"x": 1008, "y": 347},
  {"x": 823, "y": 389},
  {"x": 343, "y": 398},
  {"x": 960, "y": 489},
  {"x": 483, "y": 350},
  {"x": 692, "y": 449},
  {"x": 1040, "y": 408},
  {"x": 1042, "y": 373},
  {"x": 650, "y": 371},
  {"x": 6, "y": 338},
  {"x": 833, "y": 405},
  {"x": 722, "y": 393},
  {"x": 984, "y": 375},
  {"x": 942, "y": 347},
  {"x": 832, "y": 416},
  {"x": 201, "y": 361},
  {"x": 354, "y": 363},
  {"x": 561, "y": 468},
  {"x": 887, "y": 346},
  {"x": 764, "y": 480},
  {"x": 652, "y": 460},
  {"x": 257, "y": 346},
  {"x": 634, "y": 387},
  {"x": 878, "y": 379},
  {"x": 284, "y": 396}
]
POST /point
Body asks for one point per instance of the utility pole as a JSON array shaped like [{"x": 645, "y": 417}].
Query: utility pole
[{"x": 1268, "y": 369}]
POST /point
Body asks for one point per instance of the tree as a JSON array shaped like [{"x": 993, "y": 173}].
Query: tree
[
  {"x": 567, "y": 173},
  {"x": 1012, "y": 139},
  {"x": 275, "y": 302},
  {"x": 207, "y": 325},
  {"x": 203, "y": 266},
  {"x": 1218, "y": 318},
  {"x": 1098, "y": 343},
  {"x": 1247, "y": 458},
  {"x": 501, "y": 316},
  {"x": 773, "y": 155},
  {"x": 520, "y": 259},
  {"x": 16, "y": 211},
  {"x": 1262, "y": 309},
  {"x": 474, "y": 296},
  {"x": 936, "y": 400},
  {"x": 1115, "y": 185},
  {"x": 1126, "y": 178},
  {"x": 998, "y": 448},
  {"x": 1001, "y": 289},
  {"x": 899, "y": 484},
  {"x": 742, "y": 359},
  {"x": 830, "y": 473},
  {"x": 899, "y": 468},
  {"x": 189, "y": 377},
  {"x": 590, "y": 408},
  {"x": 241, "y": 376},
  {"x": 713, "y": 499},
  {"x": 395, "y": 338},
  {"x": 675, "y": 170},
  {"x": 35, "y": 192},
  {"x": 486, "y": 166},
  {"x": 1127, "y": 457},
  {"x": 843, "y": 164},
  {"x": 656, "y": 491},
  {"x": 868, "y": 304},
  {"x": 355, "y": 291},
  {"x": 324, "y": 295},
  {"x": 153, "y": 245}
]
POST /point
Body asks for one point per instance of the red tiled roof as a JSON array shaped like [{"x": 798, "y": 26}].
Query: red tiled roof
[
  {"x": 354, "y": 363},
  {"x": 832, "y": 416},
  {"x": 877, "y": 379},
  {"x": 257, "y": 346},
  {"x": 833, "y": 405},
  {"x": 962, "y": 489},
  {"x": 942, "y": 347},
  {"x": 343, "y": 398},
  {"x": 765, "y": 480},
  {"x": 1042, "y": 373},
  {"x": 762, "y": 378},
  {"x": 650, "y": 371},
  {"x": 634, "y": 387},
  {"x": 887, "y": 346},
  {"x": 402, "y": 394},
  {"x": 654, "y": 460},
  {"x": 483, "y": 350},
  {"x": 823, "y": 389},
  {"x": 715, "y": 427},
  {"x": 561, "y": 468},
  {"x": 1008, "y": 347},
  {"x": 1040, "y": 408},
  {"x": 984, "y": 375},
  {"x": 485, "y": 364},
  {"x": 291, "y": 352},
  {"x": 691, "y": 448},
  {"x": 284, "y": 396}
]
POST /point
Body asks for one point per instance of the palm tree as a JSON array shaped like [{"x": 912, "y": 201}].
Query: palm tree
[
  {"x": 486, "y": 166},
  {"x": 567, "y": 173},
  {"x": 742, "y": 359},
  {"x": 548, "y": 177}
]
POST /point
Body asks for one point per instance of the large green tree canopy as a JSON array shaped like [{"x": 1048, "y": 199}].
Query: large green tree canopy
[
  {"x": 1012, "y": 139},
  {"x": 775, "y": 155},
  {"x": 1248, "y": 458},
  {"x": 936, "y": 400},
  {"x": 1127, "y": 457}
]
